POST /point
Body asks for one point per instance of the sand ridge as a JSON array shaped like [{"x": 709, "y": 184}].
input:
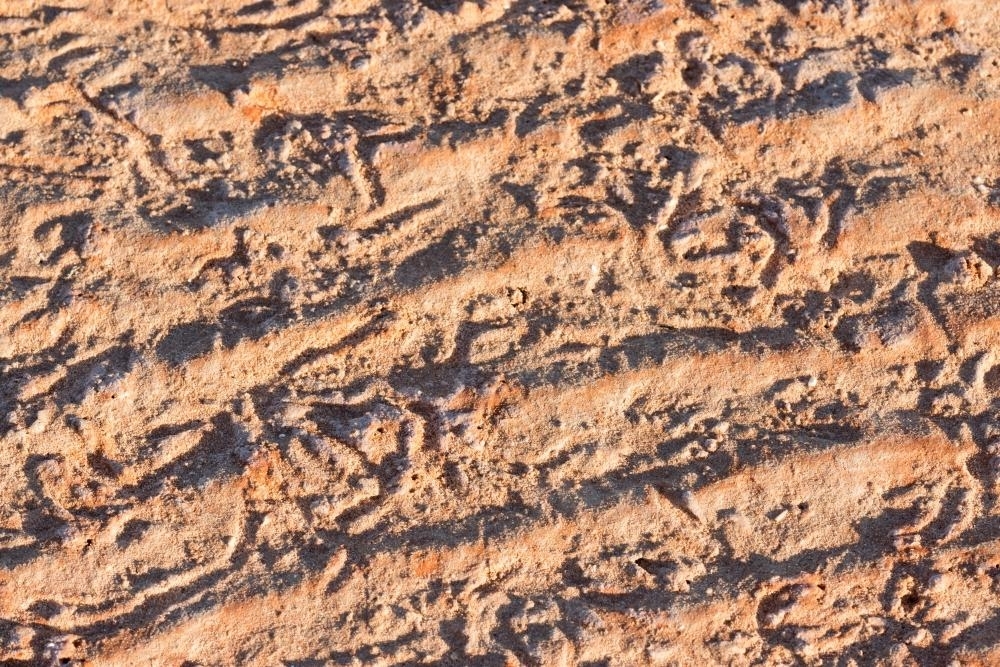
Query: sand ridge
[{"x": 369, "y": 332}]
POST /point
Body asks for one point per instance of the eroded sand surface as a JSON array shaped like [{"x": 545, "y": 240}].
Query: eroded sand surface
[{"x": 499, "y": 333}]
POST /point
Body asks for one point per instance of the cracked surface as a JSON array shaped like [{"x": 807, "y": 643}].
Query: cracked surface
[{"x": 499, "y": 333}]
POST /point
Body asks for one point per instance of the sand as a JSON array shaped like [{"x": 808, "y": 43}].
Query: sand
[{"x": 360, "y": 332}]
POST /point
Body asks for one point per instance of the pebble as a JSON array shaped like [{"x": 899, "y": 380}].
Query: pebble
[
  {"x": 517, "y": 297},
  {"x": 42, "y": 420},
  {"x": 19, "y": 637},
  {"x": 295, "y": 412},
  {"x": 691, "y": 504},
  {"x": 588, "y": 618},
  {"x": 67, "y": 533},
  {"x": 994, "y": 462},
  {"x": 321, "y": 507},
  {"x": 903, "y": 542},
  {"x": 773, "y": 619},
  {"x": 660, "y": 653},
  {"x": 459, "y": 479},
  {"x": 49, "y": 469},
  {"x": 722, "y": 428},
  {"x": 968, "y": 270},
  {"x": 919, "y": 637}
]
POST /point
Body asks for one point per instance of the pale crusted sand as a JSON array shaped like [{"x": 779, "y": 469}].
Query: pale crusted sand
[{"x": 499, "y": 333}]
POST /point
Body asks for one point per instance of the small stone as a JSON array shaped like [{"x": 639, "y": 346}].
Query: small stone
[
  {"x": 950, "y": 631},
  {"x": 49, "y": 470},
  {"x": 42, "y": 420},
  {"x": 295, "y": 412},
  {"x": 660, "y": 653},
  {"x": 691, "y": 504},
  {"x": 17, "y": 638},
  {"x": 67, "y": 533},
  {"x": 920, "y": 637},
  {"x": 720, "y": 429},
  {"x": 459, "y": 479},
  {"x": 982, "y": 365},
  {"x": 968, "y": 270},
  {"x": 686, "y": 237},
  {"x": 899, "y": 653},
  {"x": 61, "y": 649},
  {"x": 368, "y": 486},
  {"x": 780, "y": 516},
  {"x": 321, "y": 508},
  {"x": 588, "y": 618},
  {"x": 773, "y": 619},
  {"x": 244, "y": 453},
  {"x": 904, "y": 542}
]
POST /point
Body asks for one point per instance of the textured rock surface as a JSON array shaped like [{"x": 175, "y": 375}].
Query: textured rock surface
[{"x": 499, "y": 333}]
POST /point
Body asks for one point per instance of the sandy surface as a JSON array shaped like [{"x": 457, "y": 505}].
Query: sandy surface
[{"x": 499, "y": 333}]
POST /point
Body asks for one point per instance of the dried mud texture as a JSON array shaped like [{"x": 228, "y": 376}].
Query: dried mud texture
[{"x": 499, "y": 333}]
